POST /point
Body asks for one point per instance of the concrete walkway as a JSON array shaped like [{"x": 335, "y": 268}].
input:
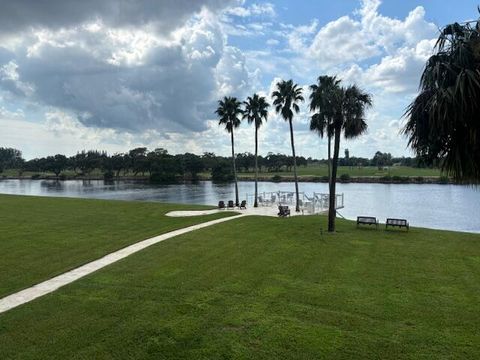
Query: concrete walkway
[
  {"x": 48, "y": 286},
  {"x": 259, "y": 211}
]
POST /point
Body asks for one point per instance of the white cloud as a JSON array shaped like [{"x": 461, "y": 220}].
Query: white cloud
[
  {"x": 351, "y": 40},
  {"x": 129, "y": 79},
  {"x": 399, "y": 73},
  {"x": 300, "y": 35},
  {"x": 272, "y": 42},
  {"x": 341, "y": 41},
  {"x": 264, "y": 9},
  {"x": 115, "y": 83}
]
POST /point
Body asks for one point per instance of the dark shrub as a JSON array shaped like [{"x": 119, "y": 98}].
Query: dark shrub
[
  {"x": 108, "y": 175},
  {"x": 163, "y": 178},
  {"x": 419, "y": 179},
  {"x": 443, "y": 179},
  {"x": 386, "y": 178},
  {"x": 276, "y": 178},
  {"x": 35, "y": 176},
  {"x": 400, "y": 179},
  {"x": 324, "y": 179},
  {"x": 345, "y": 178}
]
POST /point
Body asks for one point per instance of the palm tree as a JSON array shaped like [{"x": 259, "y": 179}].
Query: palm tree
[
  {"x": 322, "y": 120},
  {"x": 228, "y": 112},
  {"x": 286, "y": 99},
  {"x": 343, "y": 111},
  {"x": 443, "y": 121},
  {"x": 256, "y": 110}
]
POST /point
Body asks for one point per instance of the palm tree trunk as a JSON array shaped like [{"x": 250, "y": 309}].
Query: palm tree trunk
[
  {"x": 329, "y": 160},
  {"x": 297, "y": 205},
  {"x": 234, "y": 169},
  {"x": 255, "y": 204},
  {"x": 332, "y": 211}
]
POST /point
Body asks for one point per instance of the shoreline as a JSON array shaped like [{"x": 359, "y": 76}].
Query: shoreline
[
  {"x": 274, "y": 178},
  {"x": 357, "y": 179}
]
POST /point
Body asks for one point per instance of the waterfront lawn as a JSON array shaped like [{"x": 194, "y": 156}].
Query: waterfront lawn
[
  {"x": 42, "y": 237},
  {"x": 322, "y": 170},
  {"x": 266, "y": 288}
]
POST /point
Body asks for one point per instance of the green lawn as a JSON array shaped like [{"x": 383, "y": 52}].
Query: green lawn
[
  {"x": 266, "y": 288},
  {"x": 43, "y": 237},
  {"x": 322, "y": 170}
]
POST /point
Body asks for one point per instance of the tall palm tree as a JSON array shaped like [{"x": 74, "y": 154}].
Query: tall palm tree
[
  {"x": 345, "y": 107},
  {"x": 286, "y": 99},
  {"x": 443, "y": 120},
  {"x": 229, "y": 112},
  {"x": 256, "y": 110},
  {"x": 323, "y": 109}
]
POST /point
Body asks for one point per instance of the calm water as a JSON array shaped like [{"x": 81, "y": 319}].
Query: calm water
[{"x": 450, "y": 207}]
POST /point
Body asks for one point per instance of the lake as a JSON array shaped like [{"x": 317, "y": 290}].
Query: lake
[{"x": 451, "y": 207}]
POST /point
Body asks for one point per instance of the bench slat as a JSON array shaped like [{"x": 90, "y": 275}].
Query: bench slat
[{"x": 397, "y": 222}]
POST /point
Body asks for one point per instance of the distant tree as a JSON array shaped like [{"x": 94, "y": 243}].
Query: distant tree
[
  {"x": 118, "y": 163},
  {"x": 443, "y": 120},
  {"x": 347, "y": 157},
  {"x": 229, "y": 113},
  {"x": 301, "y": 161},
  {"x": 382, "y": 159},
  {"x": 209, "y": 160},
  {"x": 287, "y": 96},
  {"x": 222, "y": 171},
  {"x": 163, "y": 167},
  {"x": 245, "y": 161},
  {"x": 56, "y": 164},
  {"x": 10, "y": 158},
  {"x": 87, "y": 161},
  {"x": 192, "y": 164},
  {"x": 139, "y": 162},
  {"x": 256, "y": 111}
]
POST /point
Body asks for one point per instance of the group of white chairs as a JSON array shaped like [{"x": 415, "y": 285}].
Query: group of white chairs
[{"x": 275, "y": 199}]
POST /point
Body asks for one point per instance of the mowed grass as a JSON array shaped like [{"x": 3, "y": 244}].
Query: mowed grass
[
  {"x": 266, "y": 288},
  {"x": 43, "y": 237},
  {"x": 322, "y": 170}
]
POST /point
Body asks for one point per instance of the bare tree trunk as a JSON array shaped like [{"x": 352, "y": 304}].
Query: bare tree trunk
[
  {"x": 332, "y": 211},
  {"x": 297, "y": 205},
  {"x": 234, "y": 169},
  {"x": 255, "y": 204}
]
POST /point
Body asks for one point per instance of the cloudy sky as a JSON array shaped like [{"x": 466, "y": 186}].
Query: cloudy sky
[{"x": 116, "y": 74}]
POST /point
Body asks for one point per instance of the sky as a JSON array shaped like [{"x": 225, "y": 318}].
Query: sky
[{"x": 117, "y": 74}]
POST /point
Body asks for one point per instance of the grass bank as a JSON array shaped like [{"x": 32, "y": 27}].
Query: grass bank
[
  {"x": 306, "y": 173},
  {"x": 42, "y": 236},
  {"x": 322, "y": 170},
  {"x": 267, "y": 288}
]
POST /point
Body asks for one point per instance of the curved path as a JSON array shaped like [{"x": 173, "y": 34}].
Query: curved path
[{"x": 48, "y": 286}]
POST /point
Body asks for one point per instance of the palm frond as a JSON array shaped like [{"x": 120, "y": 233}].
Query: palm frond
[{"x": 442, "y": 121}]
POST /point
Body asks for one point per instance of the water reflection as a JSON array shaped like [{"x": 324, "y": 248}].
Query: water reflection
[{"x": 437, "y": 206}]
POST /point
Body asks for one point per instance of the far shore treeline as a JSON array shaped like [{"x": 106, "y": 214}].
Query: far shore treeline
[{"x": 160, "y": 166}]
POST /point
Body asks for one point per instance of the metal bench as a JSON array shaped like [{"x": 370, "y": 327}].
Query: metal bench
[
  {"x": 397, "y": 222},
  {"x": 367, "y": 220}
]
